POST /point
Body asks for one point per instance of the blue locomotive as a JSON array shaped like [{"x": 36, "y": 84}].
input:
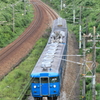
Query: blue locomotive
[{"x": 47, "y": 73}]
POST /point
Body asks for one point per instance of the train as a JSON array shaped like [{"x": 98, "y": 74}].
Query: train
[{"x": 46, "y": 77}]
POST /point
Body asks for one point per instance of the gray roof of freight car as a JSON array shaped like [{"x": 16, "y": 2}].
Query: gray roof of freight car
[
  {"x": 59, "y": 24},
  {"x": 50, "y": 56}
]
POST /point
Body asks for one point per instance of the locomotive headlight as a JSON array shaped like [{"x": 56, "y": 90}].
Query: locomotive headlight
[
  {"x": 54, "y": 86},
  {"x": 34, "y": 86}
]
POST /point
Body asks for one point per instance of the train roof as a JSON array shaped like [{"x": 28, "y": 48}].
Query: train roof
[
  {"x": 59, "y": 23},
  {"x": 51, "y": 57}
]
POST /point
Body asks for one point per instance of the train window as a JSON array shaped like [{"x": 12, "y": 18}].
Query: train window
[
  {"x": 54, "y": 79},
  {"x": 44, "y": 80},
  {"x": 35, "y": 80}
]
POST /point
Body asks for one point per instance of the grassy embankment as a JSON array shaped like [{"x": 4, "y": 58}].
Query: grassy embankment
[{"x": 15, "y": 82}]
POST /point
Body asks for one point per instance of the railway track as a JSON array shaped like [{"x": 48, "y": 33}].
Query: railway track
[
  {"x": 24, "y": 37},
  {"x": 12, "y": 55}
]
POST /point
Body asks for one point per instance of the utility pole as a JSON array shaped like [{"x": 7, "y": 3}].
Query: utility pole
[
  {"x": 73, "y": 11},
  {"x": 13, "y": 17},
  {"x": 94, "y": 65},
  {"x": 61, "y": 5},
  {"x": 84, "y": 68},
  {"x": 87, "y": 30},
  {"x": 25, "y": 7},
  {"x": 73, "y": 15},
  {"x": 80, "y": 30}
]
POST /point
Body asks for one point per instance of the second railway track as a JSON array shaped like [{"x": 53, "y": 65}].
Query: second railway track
[{"x": 14, "y": 52}]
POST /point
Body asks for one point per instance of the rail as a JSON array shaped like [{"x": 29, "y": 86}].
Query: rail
[{"x": 24, "y": 91}]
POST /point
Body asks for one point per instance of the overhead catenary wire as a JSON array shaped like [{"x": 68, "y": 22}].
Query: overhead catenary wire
[{"x": 70, "y": 61}]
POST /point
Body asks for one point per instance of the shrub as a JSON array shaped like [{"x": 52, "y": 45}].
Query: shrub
[
  {"x": 98, "y": 68},
  {"x": 98, "y": 59},
  {"x": 88, "y": 81}
]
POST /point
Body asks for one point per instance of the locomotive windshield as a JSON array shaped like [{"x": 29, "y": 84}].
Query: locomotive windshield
[
  {"x": 44, "y": 80},
  {"x": 35, "y": 80},
  {"x": 54, "y": 79}
]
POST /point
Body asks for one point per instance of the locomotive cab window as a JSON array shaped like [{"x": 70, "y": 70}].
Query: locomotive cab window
[
  {"x": 54, "y": 79},
  {"x": 44, "y": 80},
  {"x": 35, "y": 80}
]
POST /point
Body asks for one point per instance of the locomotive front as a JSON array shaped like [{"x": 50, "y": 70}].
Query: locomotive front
[{"x": 45, "y": 85}]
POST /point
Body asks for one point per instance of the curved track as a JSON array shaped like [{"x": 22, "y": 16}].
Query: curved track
[{"x": 11, "y": 55}]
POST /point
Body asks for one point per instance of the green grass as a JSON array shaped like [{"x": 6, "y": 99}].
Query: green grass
[{"x": 13, "y": 84}]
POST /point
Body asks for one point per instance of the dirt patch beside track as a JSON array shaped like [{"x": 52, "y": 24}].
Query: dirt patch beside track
[{"x": 70, "y": 87}]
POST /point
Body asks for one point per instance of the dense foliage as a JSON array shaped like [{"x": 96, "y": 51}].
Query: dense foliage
[{"x": 15, "y": 16}]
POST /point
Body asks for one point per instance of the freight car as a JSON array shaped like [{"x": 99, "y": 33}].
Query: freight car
[{"x": 47, "y": 73}]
